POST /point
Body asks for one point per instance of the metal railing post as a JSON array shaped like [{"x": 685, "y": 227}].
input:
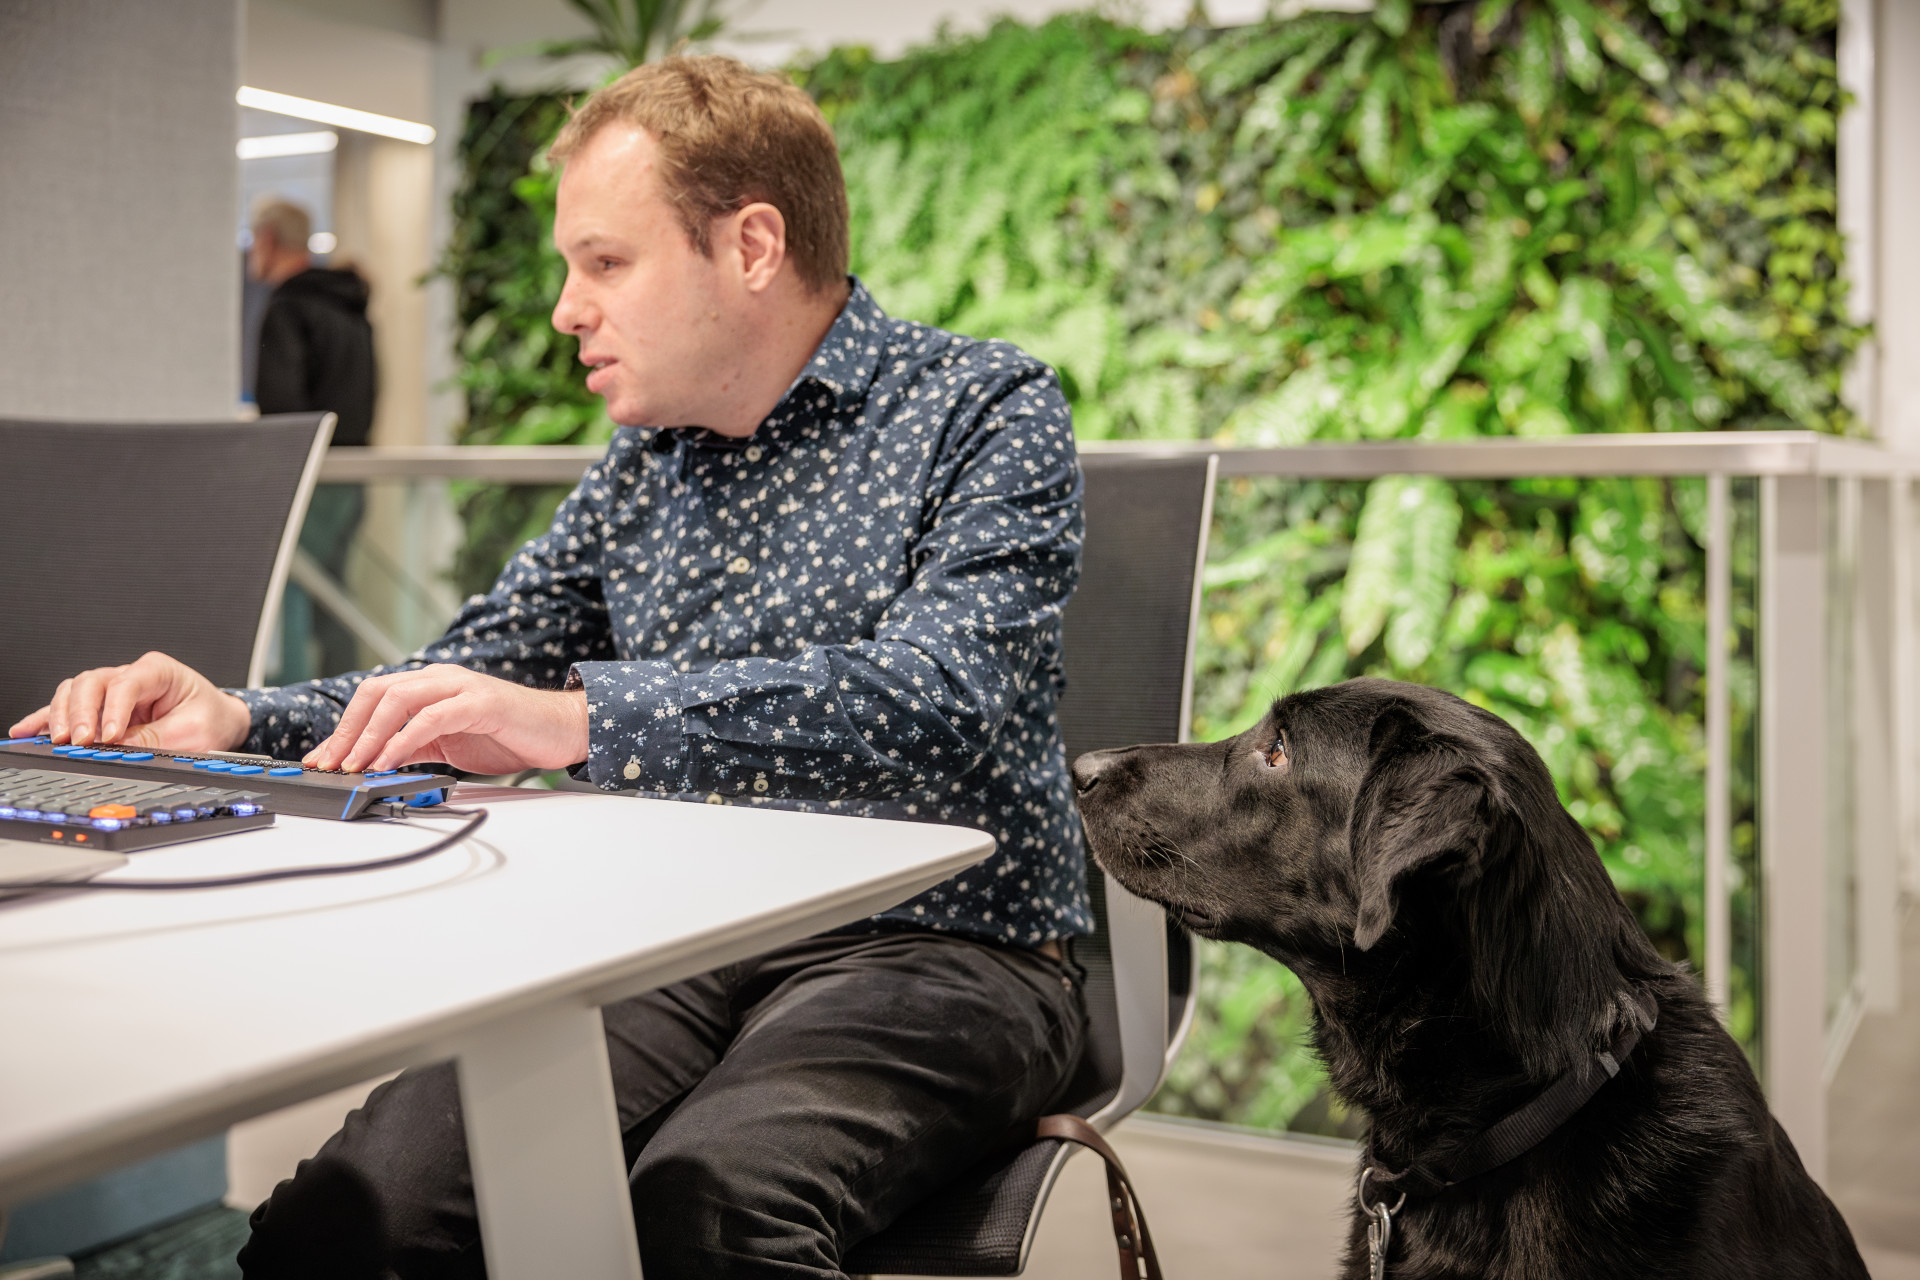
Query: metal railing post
[
  {"x": 1876, "y": 819},
  {"x": 1906, "y": 747},
  {"x": 327, "y": 592},
  {"x": 1793, "y": 807},
  {"x": 1719, "y": 929}
]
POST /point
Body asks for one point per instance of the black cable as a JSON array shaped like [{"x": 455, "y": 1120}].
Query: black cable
[{"x": 475, "y": 818}]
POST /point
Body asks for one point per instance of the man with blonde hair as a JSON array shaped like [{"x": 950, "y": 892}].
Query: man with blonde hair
[{"x": 821, "y": 566}]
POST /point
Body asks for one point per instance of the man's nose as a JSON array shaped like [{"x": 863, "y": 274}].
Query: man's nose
[{"x": 569, "y": 315}]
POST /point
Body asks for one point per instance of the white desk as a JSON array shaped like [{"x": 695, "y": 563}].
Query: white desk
[{"x": 130, "y": 1023}]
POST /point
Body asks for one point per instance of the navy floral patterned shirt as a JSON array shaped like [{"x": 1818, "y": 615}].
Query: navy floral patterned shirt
[{"x": 854, "y": 610}]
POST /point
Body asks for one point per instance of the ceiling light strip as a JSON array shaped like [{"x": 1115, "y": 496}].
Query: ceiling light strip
[
  {"x": 269, "y": 145},
  {"x": 342, "y": 117}
]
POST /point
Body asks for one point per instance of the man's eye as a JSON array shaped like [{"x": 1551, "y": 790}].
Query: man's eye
[{"x": 1276, "y": 756}]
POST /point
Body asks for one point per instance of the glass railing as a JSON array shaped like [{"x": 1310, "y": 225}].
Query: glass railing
[{"x": 1808, "y": 603}]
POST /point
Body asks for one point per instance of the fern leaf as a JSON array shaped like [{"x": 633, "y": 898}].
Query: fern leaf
[
  {"x": 1426, "y": 589},
  {"x": 1379, "y": 549}
]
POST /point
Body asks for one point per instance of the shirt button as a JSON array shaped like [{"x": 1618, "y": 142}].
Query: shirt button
[
  {"x": 739, "y": 564},
  {"x": 753, "y": 453},
  {"x": 759, "y": 784}
]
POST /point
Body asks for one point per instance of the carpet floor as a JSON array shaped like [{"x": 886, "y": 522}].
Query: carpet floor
[{"x": 199, "y": 1246}]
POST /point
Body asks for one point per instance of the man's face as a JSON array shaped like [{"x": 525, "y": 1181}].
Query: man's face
[
  {"x": 260, "y": 253},
  {"x": 658, "y": 321}
]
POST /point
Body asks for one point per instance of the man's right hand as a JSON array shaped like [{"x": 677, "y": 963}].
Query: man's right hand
[{"x": 155, "y": 702}]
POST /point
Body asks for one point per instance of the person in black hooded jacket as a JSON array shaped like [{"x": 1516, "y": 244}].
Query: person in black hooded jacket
[
  {"x": 316, "y": 353},
  {"x": 316, "y": 346}
]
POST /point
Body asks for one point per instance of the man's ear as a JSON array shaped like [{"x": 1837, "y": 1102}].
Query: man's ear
[
  {"x": 1422, "y": 801},
  {"x": 761, "y": 230}
]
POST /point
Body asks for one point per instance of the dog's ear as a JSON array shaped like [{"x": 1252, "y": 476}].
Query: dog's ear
[
  {"x": 1525, "y": 901},
  {"x": 1422, "y": 801}
]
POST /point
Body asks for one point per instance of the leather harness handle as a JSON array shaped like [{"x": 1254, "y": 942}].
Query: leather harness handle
[{"x": 1138, "y": 1261}]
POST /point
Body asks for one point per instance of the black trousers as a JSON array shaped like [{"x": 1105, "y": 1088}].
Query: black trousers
[{"x": 775, "y": 1113}]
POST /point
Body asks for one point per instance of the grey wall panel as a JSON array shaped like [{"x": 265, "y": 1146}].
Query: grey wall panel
[{"x": 119, "y": 276}]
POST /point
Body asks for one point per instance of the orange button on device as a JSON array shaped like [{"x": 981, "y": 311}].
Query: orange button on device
[{"x": 111, "y": 811}]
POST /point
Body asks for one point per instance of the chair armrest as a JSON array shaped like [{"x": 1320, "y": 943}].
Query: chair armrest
[{"x": 1137, "y": 938}]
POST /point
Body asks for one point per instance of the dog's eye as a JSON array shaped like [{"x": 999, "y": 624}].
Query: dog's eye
[{"x": 1276, "y": 756}]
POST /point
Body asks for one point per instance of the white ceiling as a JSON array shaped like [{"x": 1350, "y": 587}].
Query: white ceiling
[{"x": 295, "y": 50}]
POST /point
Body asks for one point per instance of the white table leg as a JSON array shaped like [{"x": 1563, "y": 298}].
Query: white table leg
[{"x": 548, "y": 1171}]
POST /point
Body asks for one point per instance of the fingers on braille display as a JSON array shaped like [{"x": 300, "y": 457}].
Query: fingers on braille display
[
  {"x": 389, "y": 708},
  {"x": 124, "y": 701},
  {"x": 60, "y": 721},
  {"x": 33, "y": 725},
  {"x": 430, "y": 723}
]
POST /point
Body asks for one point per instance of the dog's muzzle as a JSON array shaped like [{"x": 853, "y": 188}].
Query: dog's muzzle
[{"x": 1089, "y": 767}]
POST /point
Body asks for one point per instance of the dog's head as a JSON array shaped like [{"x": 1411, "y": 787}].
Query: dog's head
[{"x": 1372, "y": 817}]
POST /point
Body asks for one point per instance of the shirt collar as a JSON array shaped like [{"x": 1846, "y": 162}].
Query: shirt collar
[{"x": 846, "y": 359}]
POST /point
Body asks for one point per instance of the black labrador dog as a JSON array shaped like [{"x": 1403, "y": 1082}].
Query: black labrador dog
[{"x": 1549, "y": 1097}]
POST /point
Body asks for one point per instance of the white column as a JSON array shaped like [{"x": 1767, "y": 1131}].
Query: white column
[
  {"x": 1793, "y": 807},
  {"x": 118, "y": 185},
  {"x": 1897, "y": 253},
  {"x": 548, "y": 1170},
  {"x": 1857, "y": 176}
]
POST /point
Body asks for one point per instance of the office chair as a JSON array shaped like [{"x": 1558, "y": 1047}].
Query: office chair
[
  {"x": 1129, "y": 660},
  {"x": 117, "y": 538},
  {"x": 124, "y": 537}
]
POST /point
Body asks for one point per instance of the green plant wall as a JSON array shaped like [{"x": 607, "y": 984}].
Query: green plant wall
[
  {"x": 523, "y": 382},
  {"x": 1516, "y": 217}
]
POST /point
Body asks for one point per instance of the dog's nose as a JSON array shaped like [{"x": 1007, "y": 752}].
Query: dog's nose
[{"x": 1088, "y": 768}]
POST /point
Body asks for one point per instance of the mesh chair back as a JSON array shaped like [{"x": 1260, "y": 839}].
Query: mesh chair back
[
  {"x": 1128, "y": 655},
  {"x": 1130, "y": 626},
  {"x": 124, "y": 537}
]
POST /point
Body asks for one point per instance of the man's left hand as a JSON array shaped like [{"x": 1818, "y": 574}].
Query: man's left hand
[{"x": 471, "y": 721}]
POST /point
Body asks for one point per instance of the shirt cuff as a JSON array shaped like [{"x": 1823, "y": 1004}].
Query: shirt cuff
[
  {"x": 636, "y": 731},
  {"x": 286, "y": 723}
]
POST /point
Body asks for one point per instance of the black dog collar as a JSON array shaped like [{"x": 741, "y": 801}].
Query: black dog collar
[{"x": 1519, "y": 1131}]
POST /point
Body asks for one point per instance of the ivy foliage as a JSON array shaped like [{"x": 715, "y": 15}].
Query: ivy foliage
[
  {"x": 1436, "y": 221},
  {"x": 1522, "y": 218},
  {"x": 523, "y": 381}
]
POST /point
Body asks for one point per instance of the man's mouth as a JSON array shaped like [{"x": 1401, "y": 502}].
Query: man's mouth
[{"x": 597, "y": 375}]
